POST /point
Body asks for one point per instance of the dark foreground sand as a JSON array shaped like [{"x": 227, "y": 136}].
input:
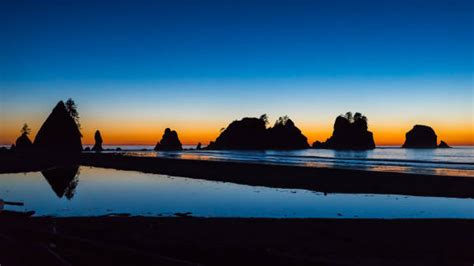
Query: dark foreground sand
[
  {"x": 284, "y": 176},
  {"x": 219, "y": 241}
]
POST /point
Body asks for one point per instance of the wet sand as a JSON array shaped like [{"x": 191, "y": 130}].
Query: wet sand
[
  {"x": 222, "y": 241},
  {"x": 283, "y": 176}
]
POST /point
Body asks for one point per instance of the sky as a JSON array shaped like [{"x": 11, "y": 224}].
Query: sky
[{"x": 135, "y": 68}]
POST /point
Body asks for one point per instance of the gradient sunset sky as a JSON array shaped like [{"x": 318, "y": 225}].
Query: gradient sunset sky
[{"x": 137, "y": 67}]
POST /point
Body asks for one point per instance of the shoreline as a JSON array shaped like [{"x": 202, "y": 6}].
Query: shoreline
[
  {"x": 326, "y": 180},
  {"x": 235, "y": 241},
  {"x": 329, "y": 180}
]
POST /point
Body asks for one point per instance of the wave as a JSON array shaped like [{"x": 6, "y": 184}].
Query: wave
[{"x": 242, "y": 154}]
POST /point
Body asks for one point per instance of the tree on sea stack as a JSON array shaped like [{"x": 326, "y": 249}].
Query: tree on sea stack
[
  {"x": 60, "y": 132},
  {"x": 25, "y": 130}
]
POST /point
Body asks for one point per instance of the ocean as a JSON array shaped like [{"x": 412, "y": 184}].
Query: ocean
[{"x": 457, "y": 161}]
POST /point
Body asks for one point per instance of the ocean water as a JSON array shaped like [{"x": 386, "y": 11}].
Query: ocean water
[
  {"x": 457, "y": 161},
  {"x": 89, "y": 191}
]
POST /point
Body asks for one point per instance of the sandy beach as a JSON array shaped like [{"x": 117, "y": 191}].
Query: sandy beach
[{"x": 219, "y": 241}]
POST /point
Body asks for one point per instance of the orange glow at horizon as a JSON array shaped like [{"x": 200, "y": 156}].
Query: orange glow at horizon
[{"x": 191, "y": 133}]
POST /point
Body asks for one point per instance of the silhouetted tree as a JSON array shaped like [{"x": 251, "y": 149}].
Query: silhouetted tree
[
  {"x": 282, "y": 120},
  {"x": 264, "y": 118},
  {"x": 25, "y": 130},
  {"x": 71, "y": 108}
]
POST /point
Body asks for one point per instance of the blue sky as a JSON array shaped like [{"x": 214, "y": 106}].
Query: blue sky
[{"x": 220, "y": 60}]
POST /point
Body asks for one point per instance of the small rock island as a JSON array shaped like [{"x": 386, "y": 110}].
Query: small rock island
[
  {"x": 422, "y": 137},
  {"x": 98, "y": 142},
  {"x": 251, "y": 133},
  {"x": 169, "y": 142},
  {"x": 23, "y": 142},
  {"x": 350, "y": 133}
]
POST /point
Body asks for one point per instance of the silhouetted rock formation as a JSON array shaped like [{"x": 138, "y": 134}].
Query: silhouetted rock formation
[
  {"x": 285, "y": 135},
  {"x": 98, "y": 142},
  {"x": 251, "y": 133},
  {"x": 350, "y": 132},
  {"x": 63, "y": 180},
  {"x": 246, "y": 134},
  {"x": 198, "y": 147},
  {"x": 420, "y": 136},
  {"x": 443, "y": 145},
  {"x": 169, "y": 142},
  {"x": 23, "y": 143},
  {"x": 59, "y": 133}
]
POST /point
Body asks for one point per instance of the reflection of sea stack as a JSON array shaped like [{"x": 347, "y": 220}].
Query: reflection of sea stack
[
  {"x": 63, "y": 180},
  {"x": 23, "y": 143},
  {"x": 285, "y": 135},
  {"x": 98, "y": 142},
  {"x": 251, "y": 133},
  {"x": 59, "y": 133},
  {"x": 169, "y": 142},
  {"x": 350, "y": 132},
  {"x": 421, "y": 136}
]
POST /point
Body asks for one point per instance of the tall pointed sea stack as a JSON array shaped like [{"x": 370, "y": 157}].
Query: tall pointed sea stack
[
  {"x": 350, "y": 133},
  {"x": 59, "y": 133},
  {"x": 169, "y": 142},
  {"x": 98, "y": 141}
]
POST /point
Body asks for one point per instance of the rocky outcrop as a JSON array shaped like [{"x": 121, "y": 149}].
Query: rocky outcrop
[
  {"x": 169, "y": 142},
  {"x": 251, "y": 133},
  {"x": 59, "y": 133},
  {"x": 98, "y": 142},
  {"x": 420, "y": 136},
  {"x": 246, "y": 134},
  {"x": 423, "y": 137},
  {"x": 350, "y": 132},
  {"x": 443, "y": 145},
  {"x": 23, "y": 143},
  {"x": 284, "y": 135}
]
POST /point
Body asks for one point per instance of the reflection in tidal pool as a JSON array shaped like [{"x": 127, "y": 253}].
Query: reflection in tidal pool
[{"x": 98, "y": 191}]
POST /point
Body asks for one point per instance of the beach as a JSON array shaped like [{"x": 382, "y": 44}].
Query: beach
[
  {"x": 233, "y": 241},
  {"x": 184, "y": 239}
]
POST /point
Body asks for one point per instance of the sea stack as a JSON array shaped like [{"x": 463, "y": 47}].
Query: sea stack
[
  {"x": 169, "y": 142},
  {"x": 251, "y": 133},
  {"x": 350, "y": 133},
  {"x": 23, "y": 143},
  {"x": 443, "y": 145},
  {"x": 284, "y": 135},
  {"x": 422, "y": 137},
  {"x": 59, "y": 133},
  {"x": 98, "y": 142},
  {"x": 246, "y": 134}
]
